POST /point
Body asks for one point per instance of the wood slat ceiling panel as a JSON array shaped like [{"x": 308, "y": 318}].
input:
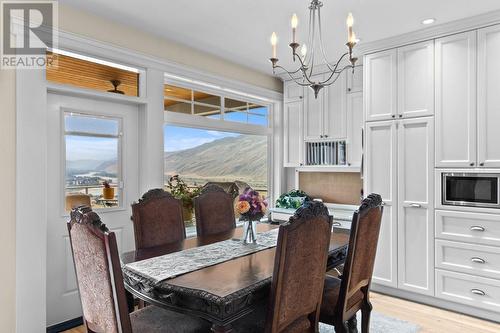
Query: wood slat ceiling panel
[{"x": 86, "y": 74}]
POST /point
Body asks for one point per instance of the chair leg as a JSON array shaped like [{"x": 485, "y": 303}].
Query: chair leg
[
  {"x": 341, "y": 328},
  {"x": 366, "y": 311},
  {"x": 352, "y": 324}
]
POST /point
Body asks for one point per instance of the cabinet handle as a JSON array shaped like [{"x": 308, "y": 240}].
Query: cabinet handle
[
  {"x": 478, "y": 292},
  {"x": 326, "y": 135},
  {"x": 472, "y": 164},
  {"x": 481, "y": 164},
  {"x": 383, "y": 203},
  {"x": 476, "y": 228},
  {"x": 393, "y": 116},
  {"x": 415, "y": 205},
  {"x": 336, "y": 224},
  {"x": 348, "y": 89},
  {"x": 400, "y": 116},
  {"x": 477, "y": 260},
  {"x": 300, "y": 97}
]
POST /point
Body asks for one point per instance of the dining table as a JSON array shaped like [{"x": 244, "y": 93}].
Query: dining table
[{"x": 224, "y": 292}]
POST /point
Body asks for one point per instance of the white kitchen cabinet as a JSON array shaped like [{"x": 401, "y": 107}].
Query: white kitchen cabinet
[
  {"x": 293, "y": 129},
  {"x": 334, "y": 114},
  {"x": 381, "y": 177},
  {"x": 292, "y": 91},
  {"x": 416, "y": 80},
  {"x": 355, "y": 79},
  {"x": 455, "y": 89},
  {"x": 380, "y": 85},
  {"x": 313, "y": 113},
  {"x": 416, "y": 205},
  {"x": 488, "y": 88},
  {"x": 354, "y": 128}
]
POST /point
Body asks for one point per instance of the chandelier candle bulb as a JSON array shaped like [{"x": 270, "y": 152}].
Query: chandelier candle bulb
[
  {"x": 274, "y": 41},
  {"x": 350, "y": 23},
  {"x": 295, "y": 22}
]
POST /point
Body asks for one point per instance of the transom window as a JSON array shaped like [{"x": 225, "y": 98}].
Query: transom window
[
  {"x": 193, "y": 102},
  {"x": 92, "y": 164}
]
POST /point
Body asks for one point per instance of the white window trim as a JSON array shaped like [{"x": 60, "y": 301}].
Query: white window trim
[
  {"x": 201, "y": 122},
  {"x": 121, "y": 183}
]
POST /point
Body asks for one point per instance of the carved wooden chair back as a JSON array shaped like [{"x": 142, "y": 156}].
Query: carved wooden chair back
[
  {"x": 98, "y": 272},
  {"x": 358, "y": 268},
  {"x": 214, "y": 211},
  {"x": 299, "y": 270},
  {"x": 158, "y": 219}
]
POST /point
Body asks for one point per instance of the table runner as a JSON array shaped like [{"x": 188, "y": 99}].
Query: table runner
[{"x": 158, "y": 269}]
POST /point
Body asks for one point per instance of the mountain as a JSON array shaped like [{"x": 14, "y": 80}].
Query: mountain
[
  {"x": 233, "y": 158},
  {"x": 82, "y": 165}
]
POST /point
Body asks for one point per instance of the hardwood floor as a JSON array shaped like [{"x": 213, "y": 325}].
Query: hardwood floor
[{"x": 430, "y": 319}]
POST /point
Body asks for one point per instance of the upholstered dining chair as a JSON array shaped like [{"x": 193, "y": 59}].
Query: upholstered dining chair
[
  {"x": 100, "y": 282},
  {"x": 214, "y": 211},
  {"x": 299, "y": 275},
  {"x": 343, "y": 297},
  {"x": 157, "y": 219}
]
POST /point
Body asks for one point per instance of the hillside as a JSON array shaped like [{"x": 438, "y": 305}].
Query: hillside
[{"x": 233, "y": 158}]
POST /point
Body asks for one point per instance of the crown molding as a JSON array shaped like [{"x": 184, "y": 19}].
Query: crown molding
[{"x": 432, "y": 32}]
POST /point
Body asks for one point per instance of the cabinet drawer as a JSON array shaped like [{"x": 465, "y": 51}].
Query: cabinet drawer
[
  {"x": 468, "y": 227},
  {"x": 468, "y": 258},
  {"x": 468, "y": 289}
]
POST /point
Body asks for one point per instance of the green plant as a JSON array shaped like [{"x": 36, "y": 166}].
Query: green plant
[
  {"x": 180, "y": 190},
  {"x": 292, "y": 199}
]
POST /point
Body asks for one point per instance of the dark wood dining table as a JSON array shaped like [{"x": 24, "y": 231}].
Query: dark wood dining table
[{"x": 225, "y": 292}]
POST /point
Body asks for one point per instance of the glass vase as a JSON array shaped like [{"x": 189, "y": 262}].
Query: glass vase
[{"x": 249, "y": 232}]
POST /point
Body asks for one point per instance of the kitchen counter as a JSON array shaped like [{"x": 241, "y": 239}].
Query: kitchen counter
[{"x": 342, "y": 214}]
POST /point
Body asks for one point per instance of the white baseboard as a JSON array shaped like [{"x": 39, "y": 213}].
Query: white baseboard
[{"x": 436, "y": 302}]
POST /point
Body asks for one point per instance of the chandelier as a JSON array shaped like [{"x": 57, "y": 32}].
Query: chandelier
[{"x": 307, "y": 59}]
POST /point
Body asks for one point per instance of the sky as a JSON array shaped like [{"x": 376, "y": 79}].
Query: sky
[{"x": 180, "y": 138}]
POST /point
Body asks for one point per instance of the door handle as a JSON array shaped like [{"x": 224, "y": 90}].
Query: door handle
[
  {"x": 415, "y": 205},
  {"x": 478, "y": 292},
  {"x": 476, "y": 228},
  {"x": 477, "y": 260}
]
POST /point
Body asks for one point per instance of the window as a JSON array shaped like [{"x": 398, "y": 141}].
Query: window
[
  {"x": 192, "y": 102},
  {"x": 85, "y": 72},
  {"x": 92, "y": 149},
  {"x": 199, "y": 156},
  {"x": 187, "y": 101}
]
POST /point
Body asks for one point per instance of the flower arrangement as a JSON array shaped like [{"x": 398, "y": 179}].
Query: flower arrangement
[
  {"x": 106, "y": 184},
  {"x": 251, "y": 205},
  {"x": 179, "y": 190}
]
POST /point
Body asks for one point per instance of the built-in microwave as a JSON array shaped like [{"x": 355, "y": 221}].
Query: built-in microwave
[{"x": 470, "y": 189}]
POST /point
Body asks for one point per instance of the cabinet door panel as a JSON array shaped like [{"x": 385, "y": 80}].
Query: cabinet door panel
[
  {"x": 355, "y": 79},
  {"x": 456, "y": 100},
  {"x": 380, "y": 85},
  {"x": 354, "y": 128},
  {"x": 416, "y": 80},
  {"x": 293, "y": 145},
  {"x": 334, "y": 115},
  {"x": 313, "y": 114},
  {"x": 416, "y": 205},
  {"x": 488, "y": 113},
  {"x": 380, "y": 177},
  {"x": 292, "y": 91}
]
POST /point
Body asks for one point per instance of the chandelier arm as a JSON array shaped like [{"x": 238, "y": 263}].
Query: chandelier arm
[
  {"x": 338, "y": 75},
  {"x": 325, "y": 58},
  {"x": 313, "y": 47},
  {"x": 291, "y": 76},
  {"x": 334, "y": 70}
]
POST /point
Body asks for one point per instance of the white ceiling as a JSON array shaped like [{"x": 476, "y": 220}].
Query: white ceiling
[{"x": 239, "y": 30}]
